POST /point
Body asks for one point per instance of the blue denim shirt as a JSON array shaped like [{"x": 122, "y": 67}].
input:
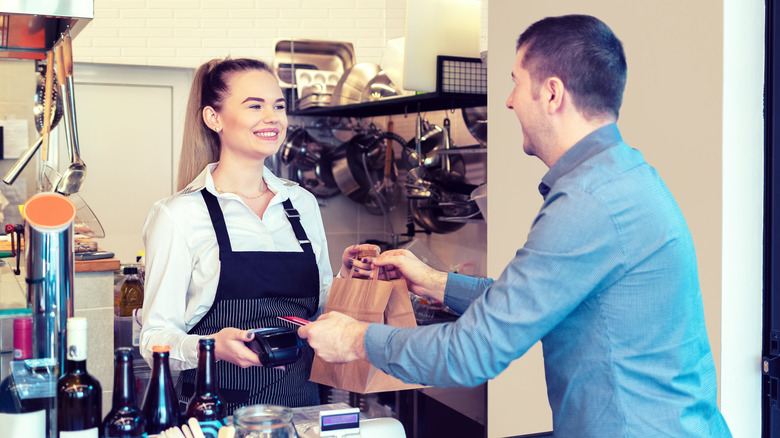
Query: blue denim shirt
[{"x": 607, "y": 279}]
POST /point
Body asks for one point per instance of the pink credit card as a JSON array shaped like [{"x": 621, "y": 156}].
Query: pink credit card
[{"x": 295, "y": 320}]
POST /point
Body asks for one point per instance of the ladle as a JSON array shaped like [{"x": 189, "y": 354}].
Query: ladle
[
  {"x": 56, "y": 115},
  {"x": 74, "y": 175}
]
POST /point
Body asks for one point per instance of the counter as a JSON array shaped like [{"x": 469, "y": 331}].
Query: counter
[{"x": 93, "y": 298}]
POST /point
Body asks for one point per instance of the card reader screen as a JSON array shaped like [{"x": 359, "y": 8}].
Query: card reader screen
[{"x": 342, "y": 421}]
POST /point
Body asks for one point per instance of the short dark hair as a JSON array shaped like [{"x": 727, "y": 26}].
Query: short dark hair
[{"x": 584, "y": 53}]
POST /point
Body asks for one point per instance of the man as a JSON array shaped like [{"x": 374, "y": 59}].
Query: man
[{"x": 607, "y": 278}]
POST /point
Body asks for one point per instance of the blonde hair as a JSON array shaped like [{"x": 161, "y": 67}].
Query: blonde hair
[{"x": 201, "y": 145}]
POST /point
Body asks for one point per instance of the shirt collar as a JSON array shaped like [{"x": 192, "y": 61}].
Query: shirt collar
[
  {"x": 204, "y": 180},
  {"x": 589, "y": 146}
]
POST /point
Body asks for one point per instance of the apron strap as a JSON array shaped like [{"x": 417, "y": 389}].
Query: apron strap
[
  {"x": 295, "y": 220},
  {"x": 218, "y": 220}
]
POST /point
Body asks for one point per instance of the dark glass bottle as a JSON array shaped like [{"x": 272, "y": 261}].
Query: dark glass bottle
[
  {"x": 125, "y": 420},
  {"x": 205, "y": 405},
  {"x": 79, "y": 395},
  {"x": 161, "y": 407},
  {"x": 12, "y": 399}
]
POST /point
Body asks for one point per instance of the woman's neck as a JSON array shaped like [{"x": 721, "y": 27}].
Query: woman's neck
[{"x": 242, "y": 179}]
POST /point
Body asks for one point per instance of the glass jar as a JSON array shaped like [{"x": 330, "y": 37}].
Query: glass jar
[{"x": 263, "y": 421}]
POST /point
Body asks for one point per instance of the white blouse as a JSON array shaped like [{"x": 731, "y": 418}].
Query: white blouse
[{"x": 182, "y": 256}]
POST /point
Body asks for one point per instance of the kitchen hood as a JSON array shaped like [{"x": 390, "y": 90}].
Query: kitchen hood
[{"x": 28, "y": 28}]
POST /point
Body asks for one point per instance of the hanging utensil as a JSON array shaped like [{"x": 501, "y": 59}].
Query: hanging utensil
[
  {"x": 49, "y": 87},
  {"x": 40, "y": 112},
  {"x": 385, "y": 193},
  {"x": 439, "y": 195},
  {"x": 75, "y": 174}
]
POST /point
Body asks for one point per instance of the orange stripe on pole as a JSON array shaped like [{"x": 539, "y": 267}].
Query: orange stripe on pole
[{"x": 49, "y": 210}]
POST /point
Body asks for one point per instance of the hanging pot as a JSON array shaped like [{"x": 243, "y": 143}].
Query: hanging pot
[
  {"x": 359, "y": 164},
  {"x": 431, "y": 136},
  {"x": 319, "y": 180},
  {"x": 309, "y": 163},
  {"x": 300, "y": 150},
  {"x": 438, "y": 192},
  {"x": 476, "y": 120}
]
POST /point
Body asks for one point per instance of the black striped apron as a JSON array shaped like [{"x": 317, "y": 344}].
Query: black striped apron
[{"x": 254, "y": 288}]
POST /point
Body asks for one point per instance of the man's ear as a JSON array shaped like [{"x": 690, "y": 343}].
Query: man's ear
[
  {"x": 555, "y": 92},
  {"x": 211, "y": 119}
]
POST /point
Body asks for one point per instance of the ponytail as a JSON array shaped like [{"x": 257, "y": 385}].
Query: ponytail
[{"x": 201, "y": 145}]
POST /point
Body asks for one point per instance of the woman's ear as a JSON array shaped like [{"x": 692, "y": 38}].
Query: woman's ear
[{"x": 211, "y": 119}]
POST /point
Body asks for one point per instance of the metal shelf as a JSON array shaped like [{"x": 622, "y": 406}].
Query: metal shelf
[{"x": 399, "y": 105}]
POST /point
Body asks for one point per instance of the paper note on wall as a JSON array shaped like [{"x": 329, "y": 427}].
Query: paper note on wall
[
  {"x": 438, "y": 27},
  {"x": 15, "y": 141}
]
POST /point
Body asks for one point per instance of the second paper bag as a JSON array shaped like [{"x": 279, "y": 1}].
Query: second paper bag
[{"x": 368, "y": 301}]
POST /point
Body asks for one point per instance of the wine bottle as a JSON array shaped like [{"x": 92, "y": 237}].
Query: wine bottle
[
  {"x": 125, "y": 420},
  {"x": 161, "y": 407},
  {"x": 20, "y": 413},
  {"x": 79, "y": 395},
  {"x": 205, "y": 405}
]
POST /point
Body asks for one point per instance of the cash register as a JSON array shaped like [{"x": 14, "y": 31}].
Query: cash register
[{"x": 339, "y": 420}]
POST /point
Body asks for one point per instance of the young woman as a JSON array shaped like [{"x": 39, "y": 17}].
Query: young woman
[{"x": 236, "y": 247}]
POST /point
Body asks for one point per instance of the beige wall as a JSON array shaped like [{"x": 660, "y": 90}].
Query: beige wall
[{"x": 671, "y": 112}]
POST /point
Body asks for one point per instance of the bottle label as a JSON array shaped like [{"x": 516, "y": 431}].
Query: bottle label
[
  {"x": 138, "y": 315},
  {"x": 28, "y": 425},
  {"x": 89, "y": 433},
  {"x": 211, "y": 428},
  {"x": 35, "y": 378}
]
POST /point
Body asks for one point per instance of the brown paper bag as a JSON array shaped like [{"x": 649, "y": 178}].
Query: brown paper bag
[{"x": 369, "y": 301}]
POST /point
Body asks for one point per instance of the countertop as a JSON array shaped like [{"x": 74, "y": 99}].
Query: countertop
[{"x": 111, "y": 264}]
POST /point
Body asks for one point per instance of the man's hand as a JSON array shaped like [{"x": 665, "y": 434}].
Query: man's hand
[
  {"x": 229, "y": 346},
  {"x": 336, "y": 337},
  {"x": 420, "y": 278}
]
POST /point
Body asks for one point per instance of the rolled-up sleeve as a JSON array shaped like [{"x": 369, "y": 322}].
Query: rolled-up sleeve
[{"x": 562, "y": 262}]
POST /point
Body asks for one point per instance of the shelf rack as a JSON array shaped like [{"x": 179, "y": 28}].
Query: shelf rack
[{"x": 399, "y": 105}]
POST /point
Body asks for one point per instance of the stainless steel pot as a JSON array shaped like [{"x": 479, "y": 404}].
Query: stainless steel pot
[
  {"x": 476, "y": 119},
  {"x": 358, "y": 164},
  {"x": 309, "y": 163}
]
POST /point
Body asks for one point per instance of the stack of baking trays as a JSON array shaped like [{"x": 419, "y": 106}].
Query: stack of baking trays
[{"x": 310, "y": 69}]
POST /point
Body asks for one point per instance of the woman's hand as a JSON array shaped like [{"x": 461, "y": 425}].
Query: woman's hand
[
  {"x": 360, "y": 267},
  {"x": 229, "y": 346}
]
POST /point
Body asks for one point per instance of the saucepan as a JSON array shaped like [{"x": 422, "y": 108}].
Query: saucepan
[
  {"x": 309, "y": 163},
  {"x": 364, "y": 169},
  {"x": 439, "y": 194}
]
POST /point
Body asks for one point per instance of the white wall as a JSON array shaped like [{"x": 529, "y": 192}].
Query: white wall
[
  {"x": 743, "y": 221},
  {"x": 185, "y": 33}
]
